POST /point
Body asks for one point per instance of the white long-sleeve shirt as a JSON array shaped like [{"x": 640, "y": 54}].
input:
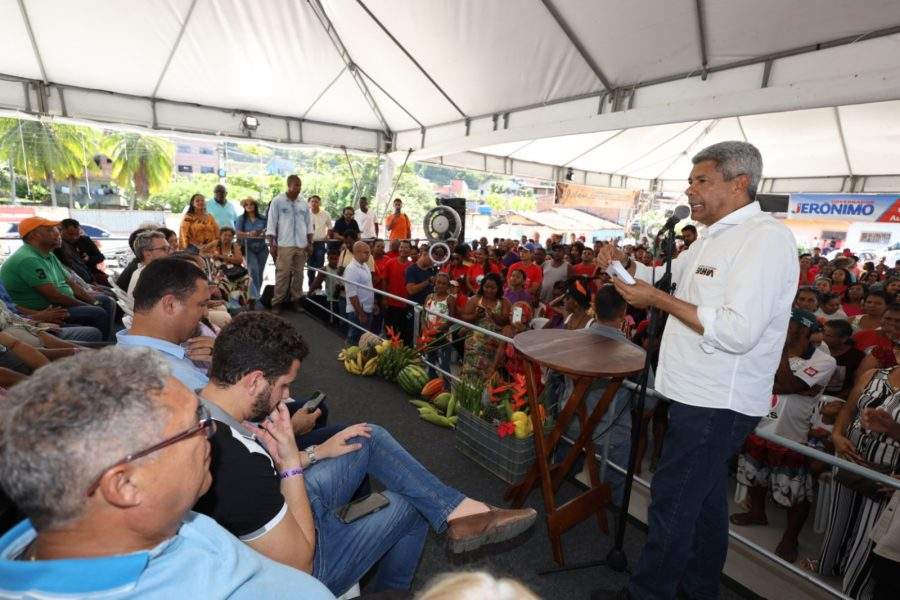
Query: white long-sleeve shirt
[{"x": 742, "y": 275}]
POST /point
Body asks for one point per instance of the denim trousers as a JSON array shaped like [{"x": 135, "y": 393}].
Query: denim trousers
[
  {"x": 77, "y": 333},
  {"x": 353, "y": 333},
  {"x": 317, "y": 260},
  {"x": 102, "y": 316},
  {"x": 256, "y": 265},
  {"x": 394, "y": 536},
  {"x": 688, "y": 518}
]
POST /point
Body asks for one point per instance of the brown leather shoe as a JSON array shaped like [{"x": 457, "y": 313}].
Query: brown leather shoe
[{"x": 497, "y": 525}]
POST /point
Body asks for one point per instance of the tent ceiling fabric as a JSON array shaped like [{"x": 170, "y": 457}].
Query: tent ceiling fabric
[{"x": 511, "y": 78}]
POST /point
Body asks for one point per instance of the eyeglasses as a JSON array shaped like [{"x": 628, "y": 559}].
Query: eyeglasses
[
  {"x": 205, "y": 423},
  {"x": 160, "y": 248}
]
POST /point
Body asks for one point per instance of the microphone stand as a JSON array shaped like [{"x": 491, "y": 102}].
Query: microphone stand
[{"x": 616, "y": 559}]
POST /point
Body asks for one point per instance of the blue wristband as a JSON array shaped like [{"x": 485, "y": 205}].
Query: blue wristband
[{"x": 291, "y": 472}]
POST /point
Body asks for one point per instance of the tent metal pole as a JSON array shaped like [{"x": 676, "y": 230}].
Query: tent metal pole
[
  {"x": 701, "y": 39},
  {"x": 165, "y": 69},
  {"x": 741, "y": 127},
  {"x": 342, "y": 51},
  {"x": 703, "y": 134},
  {"x": 573, "y": 39},
  {"x": 390, "y": 97},
  {"x": 31, "y": 38},
  {"x": 591, "y": 149},
  {"x": 412, "y": 58},
  {"x": 323, "y": 92},
  {"x": 655, "y": 148},
  {"x": 840, "y": 128}
]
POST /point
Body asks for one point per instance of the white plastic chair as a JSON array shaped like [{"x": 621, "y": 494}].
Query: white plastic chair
[{"x": 353, "y": 592}]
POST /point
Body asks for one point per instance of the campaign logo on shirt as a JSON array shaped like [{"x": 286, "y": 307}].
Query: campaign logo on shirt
[
  {"x": 41, "y": 274},
  {"x": 705, "y": 270},
  {"x": 811, "y": 371}
]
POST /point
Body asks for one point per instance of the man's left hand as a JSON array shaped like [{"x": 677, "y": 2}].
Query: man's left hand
[
  {"x": 640, "y": 295},
  {"x": 303, "y": 422}
]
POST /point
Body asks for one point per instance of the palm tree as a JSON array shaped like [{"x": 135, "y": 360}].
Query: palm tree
[
  {"x": 46, "y": 151},
  {"x": 143, "y": 161}
]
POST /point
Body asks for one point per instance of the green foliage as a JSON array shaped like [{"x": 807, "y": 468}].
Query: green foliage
[
  {"x": 441, "y": 175},
  {"x": 500, "y": 202},
  {"x": 144, "y": 161}
]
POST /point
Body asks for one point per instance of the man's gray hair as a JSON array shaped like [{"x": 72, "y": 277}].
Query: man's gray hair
[
  {"x": 74, "y": 418},
  {"x": 733, "y": 159},
  {"x": 144, "y": 242}
]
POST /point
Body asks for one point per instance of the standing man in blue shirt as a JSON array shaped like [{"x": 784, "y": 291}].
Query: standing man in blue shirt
[
  {"x": 221, "y": 210},
  {"x": 103, "y": 520},
  {"x": 290, "y": 235}
]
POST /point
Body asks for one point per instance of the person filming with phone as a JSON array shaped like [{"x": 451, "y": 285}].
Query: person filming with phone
[{"x": 720, "y": 349}]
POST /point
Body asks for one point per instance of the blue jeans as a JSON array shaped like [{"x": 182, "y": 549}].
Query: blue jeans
[
  {"x": 101, "y": 317},
  {"x": 256, "y": 265},
  {"x": 392, "y": 537},
  {"x": 688, "y": 518},
  {"x": 317, "y": 260},
  {"x": 353, "y": 334},
  {"x": 76, "y": 333}
]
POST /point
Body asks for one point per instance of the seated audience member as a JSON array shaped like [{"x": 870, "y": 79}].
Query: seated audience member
[
  {"x": 837, "y": 337},
  {"x": 609, "y": 308},
  {"x": 533, "y": 273},
  {"x": 217, "y": 314},
  {"x": 35, "y": 279},
  {"x": 18, "y": 356},
  {"x": 169, "y": 301},
  {"x": 124, "y": 278},
  {"x": 69, "y": 255},
  {"x": 87, "y": 249},
  {"x": 515, "y": 289},
  {"x": 103, "y": 521},
  {"x": 283, "y": 501},
  {"x": 466, "y": 586},
  {"x": 50, "y": 319},
  {"x": 830, "y": 308},
  {"x": 801, "y": 377},
  {"x": 148, "y": 246},
  {"x": 807, "y": 299}
]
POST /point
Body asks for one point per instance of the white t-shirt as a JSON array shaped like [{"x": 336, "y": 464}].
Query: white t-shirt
[
  {"x": 791, "y": 415},
  {"x": 321, "y": 223},
  {"x": 366, "y": 222}
]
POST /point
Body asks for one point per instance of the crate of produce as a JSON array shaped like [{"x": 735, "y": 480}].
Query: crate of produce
[{"x": 509, "y": 458}]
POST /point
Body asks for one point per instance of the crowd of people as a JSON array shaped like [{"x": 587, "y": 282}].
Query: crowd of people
[{"x": 194, "y": 357}]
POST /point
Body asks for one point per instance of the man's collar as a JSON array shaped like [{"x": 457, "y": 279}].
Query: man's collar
[
  {"x": 36, "y": 250},
  {"x": 740, "y": 215},
  {"x": 219, "y": 414},
  {"x": 127, "y": 339}
]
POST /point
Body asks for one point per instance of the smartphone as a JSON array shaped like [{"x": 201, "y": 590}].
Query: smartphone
[
  {"x": 313, "y": 403},
  {"x": 517, "y": 314},
  {"x": 360, "y": 508}
]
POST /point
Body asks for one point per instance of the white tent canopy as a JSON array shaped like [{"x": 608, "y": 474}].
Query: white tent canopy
[{"x": 606, "y": 87}]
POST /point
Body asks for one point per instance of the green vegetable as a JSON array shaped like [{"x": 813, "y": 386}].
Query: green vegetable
[
  {"x": 451, "y": 406},
  {"x": 420, "y": 403},
  {"x": 436, "y": 419}
]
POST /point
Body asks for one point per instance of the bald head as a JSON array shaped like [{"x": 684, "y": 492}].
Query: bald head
[{"x": 361, "y": 252}]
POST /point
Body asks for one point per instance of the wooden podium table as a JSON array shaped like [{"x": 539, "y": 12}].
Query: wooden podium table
[{"x": 584, "y": 356}]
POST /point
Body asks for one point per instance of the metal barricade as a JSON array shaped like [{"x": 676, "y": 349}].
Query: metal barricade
[{"x": 807, "y": 451}]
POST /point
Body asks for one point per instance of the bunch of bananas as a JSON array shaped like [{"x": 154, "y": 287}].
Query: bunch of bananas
[{"x": 360, "y": 365}]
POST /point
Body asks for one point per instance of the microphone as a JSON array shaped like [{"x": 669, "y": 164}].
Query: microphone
[{"x": 681, "y": 212}]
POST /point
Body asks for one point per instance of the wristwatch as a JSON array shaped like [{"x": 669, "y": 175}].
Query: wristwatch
[{"x": 311, "y": 456}]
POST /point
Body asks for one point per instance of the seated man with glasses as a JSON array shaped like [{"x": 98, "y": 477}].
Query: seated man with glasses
[
  {"x": 148, "y": 246},
  {"x": 105, "y": 454}
]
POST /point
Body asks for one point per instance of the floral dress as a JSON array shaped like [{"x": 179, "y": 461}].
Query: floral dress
[
  {"x": 481, "y": 349},
  {"x": 847, "y": 549}
]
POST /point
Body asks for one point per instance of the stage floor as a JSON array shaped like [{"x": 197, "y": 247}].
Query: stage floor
[{"x": 353, "y": 399}]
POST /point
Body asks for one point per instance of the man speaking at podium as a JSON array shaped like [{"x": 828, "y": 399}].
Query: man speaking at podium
[{"x": 719, "y": 353}]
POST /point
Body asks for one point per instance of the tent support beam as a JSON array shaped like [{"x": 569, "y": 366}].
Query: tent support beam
[
  {"x": 573, "y": 39},
  {"x": 323, "y": 92},
  {"x": 165, "y": 69},
  {"x": 689, "y": 148},
  {"x": 342, "y": 51},
  {"x": 694, "y": 73},
  {"x": 34, "y": 47},
  {"x": 411, "y": 58},
  {"x": 701, "y": 39},
  {"x": 390, "y": 97},
  {"x": 592, "y": 148},
  {"x": 656, "y": 147},
  {"x": 840, "y": 128}
]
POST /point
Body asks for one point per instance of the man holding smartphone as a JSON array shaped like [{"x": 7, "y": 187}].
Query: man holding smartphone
[{"x": 287, "y": 503}]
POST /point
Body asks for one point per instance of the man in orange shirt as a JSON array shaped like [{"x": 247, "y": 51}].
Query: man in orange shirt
[
  {"x": 398, "y": 223},
  {"x": 533, "y": 273}
]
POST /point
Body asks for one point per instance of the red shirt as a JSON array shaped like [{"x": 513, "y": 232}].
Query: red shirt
[
  {"x": 868, "y": 339},
  {"x": 395, "y": 277},
  {"x": 584, "y": 269},
  {"x": 474, "y": 274},
  {"x": 457, "y": 272},
  {"x": 533, "y": 274},
  {"x": 380, "y": 264}
]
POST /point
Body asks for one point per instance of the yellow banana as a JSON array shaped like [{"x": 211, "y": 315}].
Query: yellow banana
[{"x": 360, "y": 361}]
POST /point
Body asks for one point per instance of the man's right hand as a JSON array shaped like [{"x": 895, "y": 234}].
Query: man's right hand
[
  {"x": 53, "y": 314},
  {"x": 273, "y": 250},
  {"x": 277, "y": 435}
]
